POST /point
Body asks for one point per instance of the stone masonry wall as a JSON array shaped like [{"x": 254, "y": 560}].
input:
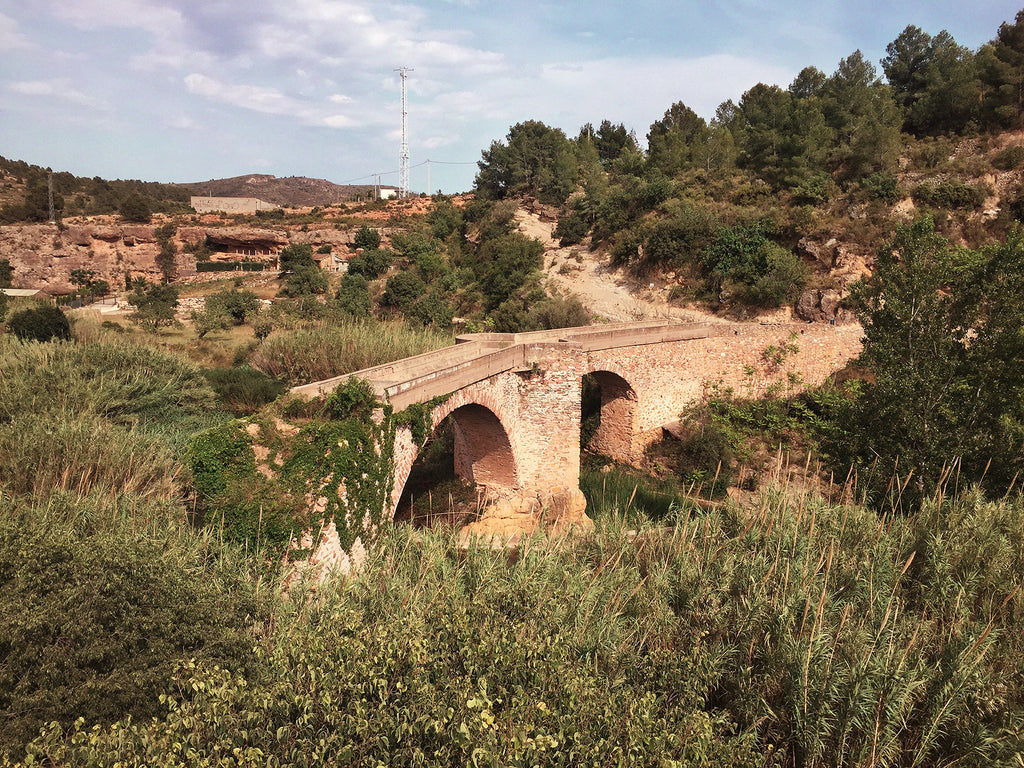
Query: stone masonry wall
[
  {"x": 537, "y": 409},
  {"x": 670, "y": 376}
]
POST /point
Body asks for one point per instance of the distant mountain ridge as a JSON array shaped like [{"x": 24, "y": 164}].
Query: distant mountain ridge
[{"x": 290, "y": 190}]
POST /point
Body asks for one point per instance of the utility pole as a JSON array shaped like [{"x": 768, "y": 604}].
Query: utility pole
[
  {"x": 429, "y": 193},
  {"x": 404, "y": 185}
]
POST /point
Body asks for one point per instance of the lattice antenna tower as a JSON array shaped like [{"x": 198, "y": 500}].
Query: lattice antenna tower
[{"x": 404, "y": 184}]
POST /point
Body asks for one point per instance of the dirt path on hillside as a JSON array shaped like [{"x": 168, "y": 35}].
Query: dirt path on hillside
[{"x": 608, "y": 292}]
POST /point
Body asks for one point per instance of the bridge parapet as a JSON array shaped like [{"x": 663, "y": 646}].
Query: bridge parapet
[{"x": 478, "y": 356}]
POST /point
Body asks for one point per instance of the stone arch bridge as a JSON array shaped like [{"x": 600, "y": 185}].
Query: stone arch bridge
[{"x": 515, "y": 399}]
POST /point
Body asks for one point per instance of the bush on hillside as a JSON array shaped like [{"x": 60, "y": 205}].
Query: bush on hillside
[
  {"x": 44, "y": 323},
  {"x": 366, "y": 238},
  {"x": 372, "y": 264},
  {"x": 135, "y": 208}
]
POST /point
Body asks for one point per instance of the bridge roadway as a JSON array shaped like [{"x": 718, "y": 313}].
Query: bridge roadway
[{"x": 478, "y": 356}]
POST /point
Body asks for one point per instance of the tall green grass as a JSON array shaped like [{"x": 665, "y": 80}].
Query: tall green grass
[
  {"x": 789, "y": 634},
  {"x": 83, "y": 454},
  {"x": 302, "y": 356},
  {"x": 618, "y": 490},
  {"x": 128, "y": 384}
]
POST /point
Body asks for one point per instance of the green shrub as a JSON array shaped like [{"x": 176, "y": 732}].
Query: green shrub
[
  {"x": 951, "y": 194},
  {"x": 1010, "y": 158},
  {"x": 135, "y": 208},
  {"x": 94, "y": 626},
  {"x": 43, "y": 323},
  {"x": 371, "y": 265},
  {"x": 354, "y": 399},
  {"x": 354, "y": 295},
  {"x": 244, "y": 390},
  {"x": 402, "y": 290},
  {"x": 571, "y": 229},
  {"x": 304, "y": 280},
  {"x": 155, "y": 305},
  {"x": 881, "y": 186},
  {"x": 366, "y": 238}
]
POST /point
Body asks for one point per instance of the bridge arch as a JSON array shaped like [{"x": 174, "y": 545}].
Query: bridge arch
[
  {"x": 482, "y": 453},
  {"x": 618, "y": 399}
]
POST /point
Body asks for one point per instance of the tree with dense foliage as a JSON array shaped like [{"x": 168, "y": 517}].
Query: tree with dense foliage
[
  {"x": 5, "y": 273},
  {"x": 935, "y": 81},
  {"x": 782, "y": 138},
  {"x": 154, "y": 305},
  {"x": 673, "y": 142},
  {"x": 536, "y": 160},
  {"x": 863, "y": 117},
  {"x": 225, "y": 309},
  {"x": 302, "y": 276},
  {"x": 43, "y": 323},
  {"x": 402, "y": 290},
  {"x": 354, "y": 295},
  {"x": 165, "y": 260},
  {"x": 944, "y": 354},
  {"x": 444, "y": 219},
  {"x": 371, "y": 264},
  {"x": 135, "y": 208},
  {"x": 1001, "y": 69},
  {"x": 367, "y": 238},
  {"x": 808, "y": 83},
  {"x": 505, "y": 265},
  {"x": 296, "y": 255},
  {"x": 610, "y": 140}
]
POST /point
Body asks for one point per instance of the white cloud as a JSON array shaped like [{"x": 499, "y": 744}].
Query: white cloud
[
  {"x": 57, "y": 88},
  {"x": 155, "y": 17},
  {"x": 338, "y": 121},
  {"x": 11, "y": 37},
  {"x": 269, "y": 101},
  {"x": 183, "y": 123}
]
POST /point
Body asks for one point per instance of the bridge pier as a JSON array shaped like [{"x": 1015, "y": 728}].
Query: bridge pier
[{"x": 516, "y": 432}]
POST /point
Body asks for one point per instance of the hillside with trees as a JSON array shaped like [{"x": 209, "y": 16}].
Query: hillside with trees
[{"x": 801, "y": 577}]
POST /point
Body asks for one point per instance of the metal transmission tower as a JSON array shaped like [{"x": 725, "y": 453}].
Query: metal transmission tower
[{"x": 404, "y": 191}]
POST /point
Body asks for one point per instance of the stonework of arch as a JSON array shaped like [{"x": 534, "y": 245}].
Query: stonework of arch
[
  {"x": 484, "y": 452},
  {"x": 614, "y": 435}
]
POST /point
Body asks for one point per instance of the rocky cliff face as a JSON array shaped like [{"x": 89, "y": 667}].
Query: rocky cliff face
[{"x": 43, "y": 256}]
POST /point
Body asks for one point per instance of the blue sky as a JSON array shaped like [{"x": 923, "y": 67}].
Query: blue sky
[{"x": 189, "y": 90}]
